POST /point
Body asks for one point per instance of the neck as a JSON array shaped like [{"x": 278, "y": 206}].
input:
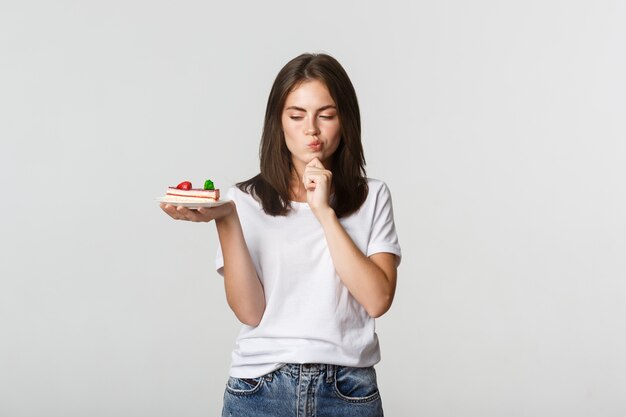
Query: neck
[{"x": 298, "y": 192}]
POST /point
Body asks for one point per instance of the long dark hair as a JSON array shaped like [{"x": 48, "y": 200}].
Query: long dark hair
[{"x": 272, "y": 185}]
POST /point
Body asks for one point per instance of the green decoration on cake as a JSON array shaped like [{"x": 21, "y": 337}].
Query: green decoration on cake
[{"x": 208, "y": 185}]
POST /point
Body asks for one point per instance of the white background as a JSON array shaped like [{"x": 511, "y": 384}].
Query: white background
[{"x": 499, "y": 127}]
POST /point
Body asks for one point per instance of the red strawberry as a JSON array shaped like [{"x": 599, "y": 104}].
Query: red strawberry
[{"x": 185, "y": 185}]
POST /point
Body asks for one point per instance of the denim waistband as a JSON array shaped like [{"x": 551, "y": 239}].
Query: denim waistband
[{"x": 297, "y": 369}]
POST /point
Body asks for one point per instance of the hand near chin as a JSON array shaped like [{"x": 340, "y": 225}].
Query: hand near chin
[
  {"x": 203, "y": 214},
  {"x": 317, "y": 182}
]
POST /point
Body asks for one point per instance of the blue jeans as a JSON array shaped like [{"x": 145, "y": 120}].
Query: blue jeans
[{"x": 309, "y": 390}]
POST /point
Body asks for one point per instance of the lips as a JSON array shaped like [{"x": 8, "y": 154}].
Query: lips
[{"x": 315, "y": 145}]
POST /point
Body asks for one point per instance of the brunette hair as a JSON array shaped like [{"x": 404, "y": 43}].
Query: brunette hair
[{"x": 272, "y": 185}]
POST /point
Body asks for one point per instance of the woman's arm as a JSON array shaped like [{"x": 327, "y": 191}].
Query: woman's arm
[
  {"x": 244, "y": 291},
  {"x": 371, "y": 281}
]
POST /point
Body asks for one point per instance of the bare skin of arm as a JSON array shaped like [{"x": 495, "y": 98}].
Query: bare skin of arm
[
  {"x": 244, "y": 291},
  {"x": 370, "y": 280}
]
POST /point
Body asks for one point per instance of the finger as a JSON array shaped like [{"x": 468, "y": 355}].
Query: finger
[
  {"x": 308, "y": 178},
  {"x": 317, "y": 176},
  {"x": 170, "y": 210},
  {"x": 183, "y": 213},
  {"x": 313, "y": 170},
  {"x": 309, "y": 183},
  {"x": 315, "y": 162},
  {"x": 205, "y": 211},
  {"x": 195, "y": 216},
  {"x": 211, "y": 213}
]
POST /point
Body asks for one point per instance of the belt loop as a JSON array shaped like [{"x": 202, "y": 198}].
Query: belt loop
[{"x": 330, "y": 373}]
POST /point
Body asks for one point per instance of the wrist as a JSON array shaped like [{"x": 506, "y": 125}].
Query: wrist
[
  {"x": 325, "y": 215},
  {"x": 229, "y": 218}
]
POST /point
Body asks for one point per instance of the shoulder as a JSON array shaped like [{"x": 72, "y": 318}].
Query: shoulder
[
  {"x": 374, "y": 183},
  {"x": 378, "y": 196},
  {"x": 240, "y": 197},
  {"x": 377, "y": 189}
]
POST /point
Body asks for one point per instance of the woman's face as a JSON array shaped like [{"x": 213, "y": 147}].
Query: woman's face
[{"x": 311, "y": 124}]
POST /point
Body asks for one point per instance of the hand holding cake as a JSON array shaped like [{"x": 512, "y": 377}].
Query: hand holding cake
[{"x": 202, "y": 214}]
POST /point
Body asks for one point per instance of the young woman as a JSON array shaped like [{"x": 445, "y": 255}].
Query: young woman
[{"x": 308, "y": 251}]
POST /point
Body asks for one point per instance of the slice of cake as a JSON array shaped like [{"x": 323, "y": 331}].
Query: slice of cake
[{"x": 184, "y": 193}]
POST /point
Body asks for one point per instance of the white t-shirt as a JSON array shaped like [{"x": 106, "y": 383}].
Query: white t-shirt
[{"x": 310, "y": 317}]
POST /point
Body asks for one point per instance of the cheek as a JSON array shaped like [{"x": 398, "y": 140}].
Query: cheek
[
  {"x": 335, "y": 133},
  {"x": 288, "y": 137},
  {"x": 336, "y": 145},
  {"x": 288, "y": 128}
]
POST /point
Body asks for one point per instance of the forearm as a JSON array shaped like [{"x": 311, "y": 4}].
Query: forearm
[
  {"x": 368, "y": 283},
  {"x": 244, "y": 291}
]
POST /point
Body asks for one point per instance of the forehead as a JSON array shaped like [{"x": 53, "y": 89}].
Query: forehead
[{"x": 311, "y": 93}]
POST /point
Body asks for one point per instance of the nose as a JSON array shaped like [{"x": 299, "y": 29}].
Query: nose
[{"x": 311, "y": 128}]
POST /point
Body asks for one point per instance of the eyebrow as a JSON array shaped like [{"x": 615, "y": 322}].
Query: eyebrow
[{"x": 326, "y": 107}]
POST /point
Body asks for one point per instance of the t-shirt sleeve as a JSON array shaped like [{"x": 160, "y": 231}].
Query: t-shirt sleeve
[
  {"x": 383, "y": 237},
  {"x": 219, "y": 260}
]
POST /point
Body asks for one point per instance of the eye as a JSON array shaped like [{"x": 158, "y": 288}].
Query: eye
[
  {"x": 327, "y": 116},
  {"x": 295, "y": 117}
]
